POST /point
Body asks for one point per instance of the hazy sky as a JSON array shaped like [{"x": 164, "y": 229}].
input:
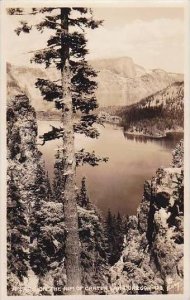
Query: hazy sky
[{"x": 152, "y": 36}]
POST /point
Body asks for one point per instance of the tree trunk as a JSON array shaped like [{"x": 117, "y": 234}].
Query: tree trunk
[{"x": 72, "y": 243}]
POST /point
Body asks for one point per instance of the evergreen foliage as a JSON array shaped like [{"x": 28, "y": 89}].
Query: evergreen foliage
[
  {"x": 94, "y": 256},
  {"x": 115, "y": 230},
  {"x": 83, "y": 85},
  {"x": 82, "y": 197},
  {"x": 17, "y": 234},
  {"x": 72, "y": 92},
  {"x": 159, "y": 112},
  {"x": 47, "y": 250}
]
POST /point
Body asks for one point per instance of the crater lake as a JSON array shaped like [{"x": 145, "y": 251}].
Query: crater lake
[{"x": 118, "y": 184}]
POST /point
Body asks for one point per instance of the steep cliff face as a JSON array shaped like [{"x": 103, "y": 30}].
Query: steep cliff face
[
  {"x": 114, "y": 89},
  {"x": 35, "y": 222},
  {"x": 26, "y": 77},
  {"x": 24, "y": 159},
  {"x": 123, "y": 66},
  {"x": 120, "y": 82},
  {"x": 152, "y": 260},
  {"x": 26, "y": 182}
]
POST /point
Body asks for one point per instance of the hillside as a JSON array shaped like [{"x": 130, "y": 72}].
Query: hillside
[
  {"x": 26, "y": 183},
  {"x": 36, "y": 230},
  {"x": 26, "y": 77},
  {"x": 120, "y": 82},
  {"x": 153, "y": 249},
  {"x": 156, "y": 114},
  {"x": 152, "y": 259},
  {"x": 123, "y": 66}
]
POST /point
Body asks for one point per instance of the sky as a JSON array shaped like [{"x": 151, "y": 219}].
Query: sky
[{"x": 152, "y": 36}]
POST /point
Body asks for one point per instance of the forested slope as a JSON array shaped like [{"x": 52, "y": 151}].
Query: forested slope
[{"x": 156, "y": 114}]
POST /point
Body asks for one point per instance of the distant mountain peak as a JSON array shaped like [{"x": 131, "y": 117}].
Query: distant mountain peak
[{"x": 120, "y": 81}]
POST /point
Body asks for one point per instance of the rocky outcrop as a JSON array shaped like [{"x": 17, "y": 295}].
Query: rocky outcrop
[
  {"x": 24, "y": 158},
  {"x": 26, "y": 78},
  {"x": 120, "y": 82},
  {"x": 36, "y": 230},
  {"x": 27, "y": 182},
  {"x": 152, "y": 260},
  {"x": 123, "y": 66}
]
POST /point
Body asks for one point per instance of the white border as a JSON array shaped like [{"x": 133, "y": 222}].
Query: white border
[{"x": 91, "y": 3}]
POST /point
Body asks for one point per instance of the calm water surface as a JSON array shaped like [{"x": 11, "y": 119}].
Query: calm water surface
[{"x": 117, "y": 184}]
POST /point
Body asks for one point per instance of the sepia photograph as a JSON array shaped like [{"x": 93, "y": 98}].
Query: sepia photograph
[{"x": 94, "y": 148}]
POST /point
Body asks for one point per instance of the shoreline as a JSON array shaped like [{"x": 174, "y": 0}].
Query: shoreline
[{"x": 164, "y": 135}]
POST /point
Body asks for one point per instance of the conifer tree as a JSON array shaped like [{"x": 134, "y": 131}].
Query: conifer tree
[
  {"x": 17, "y": 233},
  {"x": 48, "y": 248},
  {"x": 94, "y": 258},
  {"x": 115, "y": 236},
  {"x": 82, "y": 197},
  {"x": 71, "y": 93},
  {"x": 120, "y": 233}
]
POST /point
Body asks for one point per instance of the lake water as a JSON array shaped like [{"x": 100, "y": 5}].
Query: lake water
[{"x": 117, "y": 184}]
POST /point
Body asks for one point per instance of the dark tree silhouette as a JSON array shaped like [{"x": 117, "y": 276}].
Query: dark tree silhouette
[
  {"x": 17, "y": 233},
  {"x": 72, "y": 92}
]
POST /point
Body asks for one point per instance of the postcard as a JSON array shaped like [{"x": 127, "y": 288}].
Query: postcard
[{"x": 95, "y": 145}]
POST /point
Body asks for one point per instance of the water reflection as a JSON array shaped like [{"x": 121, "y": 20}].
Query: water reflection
[
  {"x": 167, "y": 142},
  {"x": 118, "y": 184}
]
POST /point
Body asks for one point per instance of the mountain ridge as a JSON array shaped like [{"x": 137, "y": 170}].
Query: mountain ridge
[
  {"x": 120, "y": 82},
  {"x": 156, "y": 114}
]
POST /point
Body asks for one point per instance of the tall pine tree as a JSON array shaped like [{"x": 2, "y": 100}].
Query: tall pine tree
[
  {"x": 17, "y": 233},
  {"x": 72, "y": 92},
  {"x": 82, "y": 197},
  {"x": 115, "y": 236}
]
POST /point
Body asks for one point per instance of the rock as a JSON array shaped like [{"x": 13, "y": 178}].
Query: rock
[
  {"x": 152, "y": 259},
  {"x": 120, "y": 82}
]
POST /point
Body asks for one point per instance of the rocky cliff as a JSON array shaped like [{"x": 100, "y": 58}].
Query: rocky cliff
[
  {"x": 24, "y": 159},
  {"x": 35, "y": 221},
  {"x": 26, "y": 182},
  {"x": 152, "y": 259},
  {"x": 120, "y": 82},
  {"x": 123, "y": 66}
]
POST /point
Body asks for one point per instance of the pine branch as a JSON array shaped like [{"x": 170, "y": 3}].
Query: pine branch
[
  {"x": 82, "y": 66},
  {"x": 84, "y": 22},
  {"x": 85, "y": 105},
  {"x": 55, "y": 133},
  {"x": 83, "y": 157},
  {"x": 82, "y": 10},
  {"x": 47, "y": 56},
  {"x": 20, "y": 12},
  {"x": 23, "y": 28},
  {"x": 39, "y": 50},
  {"x": 83, "y": 128},
  {"x": 49, "y": 23},
  {"x": 49, "y": 89}
]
